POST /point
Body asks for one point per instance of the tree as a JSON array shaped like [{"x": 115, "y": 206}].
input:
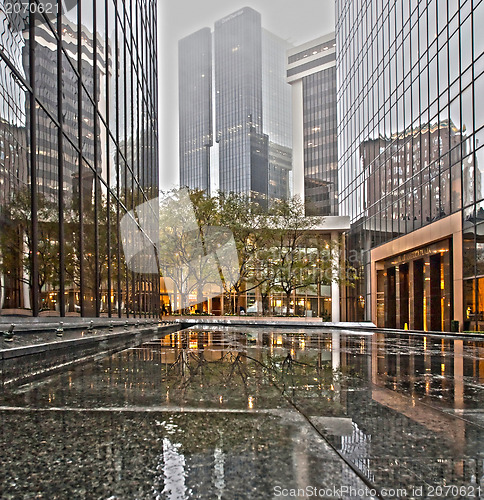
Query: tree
[
  {"x": 190, "y": 245},
  {"x": 251, "y": 230}
]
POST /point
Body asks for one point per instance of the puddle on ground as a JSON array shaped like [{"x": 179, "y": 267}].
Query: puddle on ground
[{"x": 253, "y": 413}]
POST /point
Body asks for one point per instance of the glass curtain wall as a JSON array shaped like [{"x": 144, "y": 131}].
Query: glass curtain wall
[
  {"x": 320, "y": 143},
  {"x": 410, "y": 75},
  {"x": 78, "y": 149}
]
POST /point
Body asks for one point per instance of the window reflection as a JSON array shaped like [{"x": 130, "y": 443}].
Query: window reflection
[
  {"x": 433, "y": 105},
  {"x": 64, "y": 141}
]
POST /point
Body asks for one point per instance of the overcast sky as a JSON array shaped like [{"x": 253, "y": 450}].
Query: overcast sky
[{"x": 298, "y": 21}]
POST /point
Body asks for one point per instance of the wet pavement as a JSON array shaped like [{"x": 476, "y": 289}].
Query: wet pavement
[
  {"x": 254, "y": 413},
  {"x": 27, "y": 334}
]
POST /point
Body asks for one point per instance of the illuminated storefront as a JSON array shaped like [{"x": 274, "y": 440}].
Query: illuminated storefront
[{"x": 414, "y": 289}]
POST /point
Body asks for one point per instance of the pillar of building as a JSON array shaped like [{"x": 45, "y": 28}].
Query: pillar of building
[
  {"x": 447, "y": 263},
  {"x": 416, "y": 278},
  {"x": 335, "y": 283},
  {"x": 398, "y": 311}
]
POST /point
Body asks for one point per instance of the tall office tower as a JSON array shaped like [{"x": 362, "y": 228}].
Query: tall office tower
[
  {"x": 195, "y": 108},
  {"x": 243, "y": 148},
  {"x": 410, "y": 139},
  {"x": 311, "y": 71},
  {"x": 78, "y": 148},
  {"x": 250, "y": 135},
  {"x": 277, "y": 114}
]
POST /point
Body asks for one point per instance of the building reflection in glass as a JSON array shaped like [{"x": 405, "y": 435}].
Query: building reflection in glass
[
  {"x": 78, "y": 149},
  {"x": 410, "y": 143}
]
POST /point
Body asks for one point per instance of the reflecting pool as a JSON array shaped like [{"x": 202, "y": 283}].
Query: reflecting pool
[{"x": 254, "y": 413}]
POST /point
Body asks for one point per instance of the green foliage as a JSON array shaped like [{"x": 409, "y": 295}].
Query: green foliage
[{"x": 277, "y": 250}]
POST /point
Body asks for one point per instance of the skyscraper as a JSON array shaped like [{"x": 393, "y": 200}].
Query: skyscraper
[
  {"x": 225, "y": 97},
  {"x": 410, "y": 160},
  {"x": 277, "y": 114},
  {"x": 78, "y": 149},
  {"x": 311, "y": 70},
  {"x": 195, "y": 109}
]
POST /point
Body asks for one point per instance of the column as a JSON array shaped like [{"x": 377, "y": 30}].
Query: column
[
  {"x": 426, "y": 293},
  {"x": 335, "y": 309},
  {"x": 417, "y": 295},
  {"x": 390, "y": 299},
  {"x": 435, "y": 294},
  {"x": 403, "y": 295},
  {"x": 447, "y": 271},
  {"x": 397, "y": 297}
]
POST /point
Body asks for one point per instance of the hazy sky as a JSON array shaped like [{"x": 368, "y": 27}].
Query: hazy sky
[{"x": 298, "y": 21}]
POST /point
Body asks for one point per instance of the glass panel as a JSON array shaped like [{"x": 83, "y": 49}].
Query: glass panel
[
  {"x": 69, "y": 30},
  {"x": 468, "y": 179},
  {"x": 46, "y": 66},
  {"x": 70, "y": 100},
  {"x": 479, "y": 167},
  {"x": 469, "y": 304},
  {"x": 466, "y": 44},
  {"x": 89, "y": 234},
  {"x": 47, "y": 215},
  {"x": 478, "y": 34},
  {"x": 72, "y": 230}
]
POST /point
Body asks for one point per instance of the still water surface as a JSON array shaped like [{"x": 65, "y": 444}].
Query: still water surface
[{"x": 253, "y": 413}]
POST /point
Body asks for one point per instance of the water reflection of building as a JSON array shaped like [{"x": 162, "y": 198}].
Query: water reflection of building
[
  {"x": 63, "y": 101},
  {"x": 410, "y": 161}
]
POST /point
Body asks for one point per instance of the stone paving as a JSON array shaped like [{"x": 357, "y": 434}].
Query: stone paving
[{"x": 224, "y": 412}]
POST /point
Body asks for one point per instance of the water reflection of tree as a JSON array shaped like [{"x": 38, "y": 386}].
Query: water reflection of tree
[{"x": 242, "y": 373}]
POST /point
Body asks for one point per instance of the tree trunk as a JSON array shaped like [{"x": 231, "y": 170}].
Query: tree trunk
[
  {"x": 265, "y": 304},
  {"x": 200, "y": 299},
  {"x": 288, "y": 300}
]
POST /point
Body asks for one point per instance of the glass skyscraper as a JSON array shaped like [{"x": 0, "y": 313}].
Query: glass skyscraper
[
  {"x": 234, "y": 109},
  {"x": 78, "y": 150},
  {"x": 410, "y": 75},
  {"x": 277, "y": 115},
  {"x": 195, "y": 109}
]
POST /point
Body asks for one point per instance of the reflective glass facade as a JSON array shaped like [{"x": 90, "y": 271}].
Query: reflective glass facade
[
  {"x": 78, "y": 149},
  {"x": 238, "y": 103},
  {"x": 410, "y": 74},
  {"x": 320, "y": 139},
  {"x": 312, "y": 73},
  {"x": 195, "y": 109},
  {"x": 235, "y": 114},
  {"x": 277, "y": 118}
]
